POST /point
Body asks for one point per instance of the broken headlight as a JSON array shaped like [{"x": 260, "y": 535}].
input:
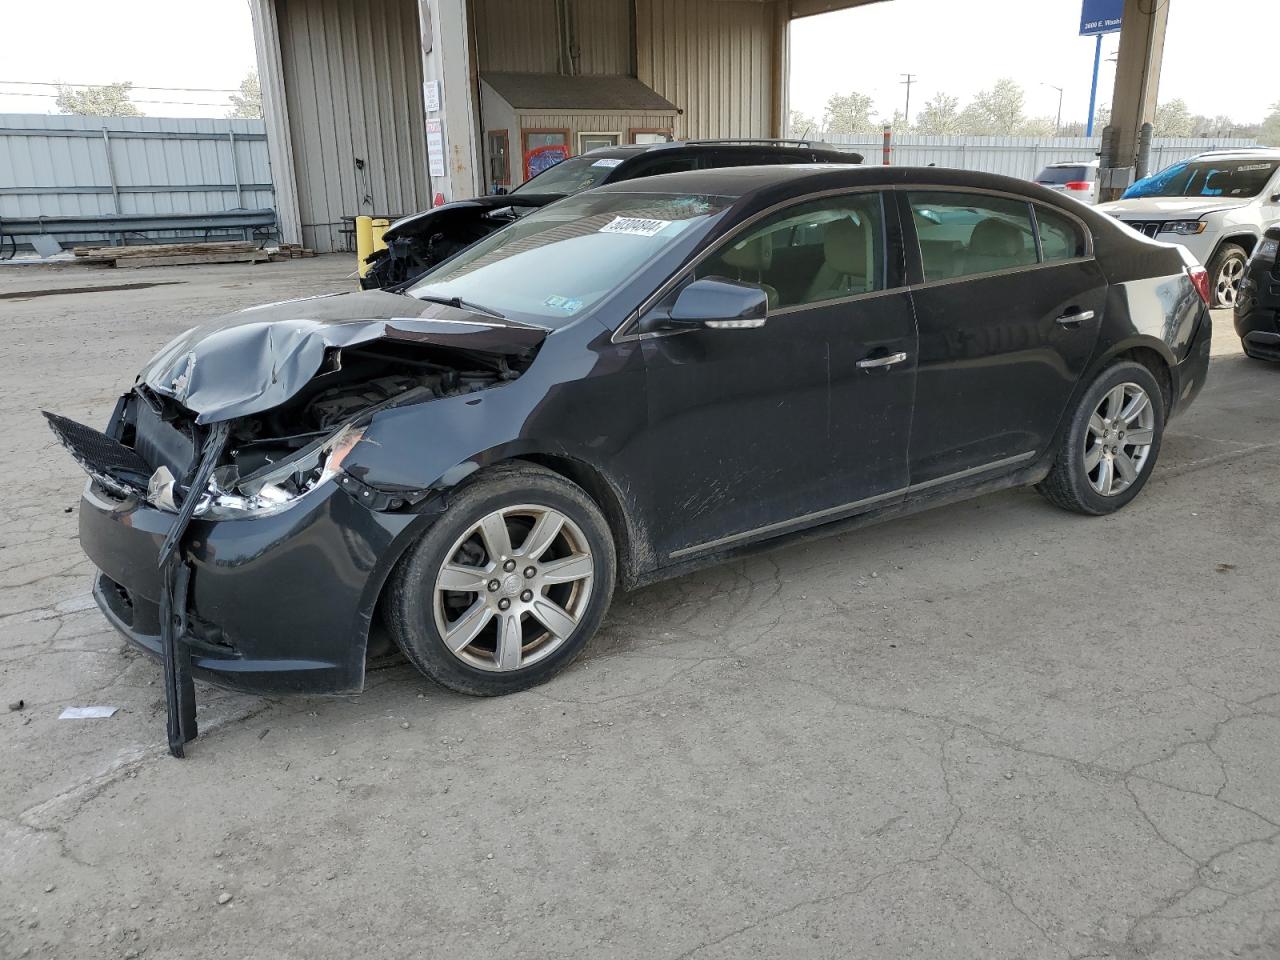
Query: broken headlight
[{"x": 270, "y": 489}]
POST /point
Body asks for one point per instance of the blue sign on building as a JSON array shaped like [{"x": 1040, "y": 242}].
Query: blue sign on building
[{"x": 1100, "y": 16}]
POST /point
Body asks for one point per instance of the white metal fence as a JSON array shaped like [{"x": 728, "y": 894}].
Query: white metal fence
[
  {"x": 1021, "y": 157},
  {"x": 71, "y": 166}
]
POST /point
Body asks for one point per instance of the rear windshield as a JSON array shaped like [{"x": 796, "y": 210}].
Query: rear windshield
[
  {"x": 1061, "y": 175},
  {"x": 1206, "y": 178},
  {"x": 570, "y": 176}
]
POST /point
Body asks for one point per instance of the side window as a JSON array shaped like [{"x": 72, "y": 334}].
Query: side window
[
  {"x": 962, "y": 234},
  {"x": 1060, "y": 237},
  {"x": 653, "y": 166},
  {"x": 820, "y": 250}
]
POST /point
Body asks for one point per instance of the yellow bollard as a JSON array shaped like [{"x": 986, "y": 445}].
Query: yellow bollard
[
  {"x": 379, "y": 228},
  {"x": 364, "y": 243}
]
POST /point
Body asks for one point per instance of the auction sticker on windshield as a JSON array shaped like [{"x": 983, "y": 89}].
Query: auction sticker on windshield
[
  {"x": 607, "y": 162},
  {"x": 637, "y": 226}
]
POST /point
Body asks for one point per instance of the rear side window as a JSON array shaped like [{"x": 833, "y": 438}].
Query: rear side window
[
  {"x": 653, "y": 166},
  {"x": 964, "y": 234},
  {"x": 1060, "y": 237}
]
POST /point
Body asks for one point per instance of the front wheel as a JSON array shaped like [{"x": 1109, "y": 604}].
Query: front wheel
[
  {"x": 505, "y": 590},
  {"x": 1111, "y": 444},
  {"x": 1227, "y": 270}
]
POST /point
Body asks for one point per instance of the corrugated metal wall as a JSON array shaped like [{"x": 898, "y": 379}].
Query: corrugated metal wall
[
  {"x": 1021, "y": 157},
  {"x": 353, "y": 83},
  {"x": 523, "y": 36},
  {"x": 63, "y": 166},
  {"x": 711, "y": 58}
]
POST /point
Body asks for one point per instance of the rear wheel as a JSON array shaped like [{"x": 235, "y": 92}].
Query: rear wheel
[
  {"x": 1111, "y": 444},
  {"x": 507, "y": 587},
  {"x": 1226, "y": 270}
]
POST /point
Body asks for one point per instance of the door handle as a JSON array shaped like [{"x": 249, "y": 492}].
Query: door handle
[
  {"x": 1074, "y": 318},
  {"x": 885, "y": 361}
]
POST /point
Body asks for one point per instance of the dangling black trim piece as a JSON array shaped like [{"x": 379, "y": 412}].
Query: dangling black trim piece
[{"x": 175, "y": 589}]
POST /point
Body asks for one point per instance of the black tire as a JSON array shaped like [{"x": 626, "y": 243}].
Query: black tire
[
  {"x": 1068, "y": 485},
  {"x": 409, "y": 607},
  {"x": 1228, "y": 252}
]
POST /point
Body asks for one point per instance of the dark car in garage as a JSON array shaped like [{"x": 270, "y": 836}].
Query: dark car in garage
[
  {"x": 628, "y": 384},
  {"x": 421, "y": 240},
  {"x": 1257, "y": 309}
]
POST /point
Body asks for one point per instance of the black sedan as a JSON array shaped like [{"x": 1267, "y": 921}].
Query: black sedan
[
  {"x": 630, "y": 383},
  {"x": 1257, "y": 309}
]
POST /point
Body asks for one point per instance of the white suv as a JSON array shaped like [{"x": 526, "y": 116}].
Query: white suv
[{"x": 1217, "y": 205}]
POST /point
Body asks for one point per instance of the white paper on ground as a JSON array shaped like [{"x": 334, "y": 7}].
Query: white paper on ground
[{"x": 86, "y": 713}]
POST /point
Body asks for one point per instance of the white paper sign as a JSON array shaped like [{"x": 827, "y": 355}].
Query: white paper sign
[
  {"x": 435, "y": 148},
  {"x": 87, "y": 713},
  {"x": 431, "y": 94},
  {"x": 607, "y": 162},
  {"x": 636, "y": 226}
]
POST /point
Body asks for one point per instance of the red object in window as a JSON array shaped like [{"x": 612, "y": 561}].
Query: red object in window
[
  {"x": 1200, "y": 279},
  {"x": 1078, "y": 185},
  {"x": 438, "y": 200}
]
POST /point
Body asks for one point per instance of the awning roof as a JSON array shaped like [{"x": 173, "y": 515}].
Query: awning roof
[{"x": 553, "y": 91}]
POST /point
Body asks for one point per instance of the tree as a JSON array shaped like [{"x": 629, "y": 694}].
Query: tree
[
  {"x": 995, "y": 112},
  {"x": 1173, "y": 119},
  {"x": 848, "y": 114},
  {"x": 940, "y": 116},
  {"x": 1270, "y": 132},
  {"x": 247, "y": 104},
  {"x": 108, "y": 100},
  {"x": 801, "y": 124}
]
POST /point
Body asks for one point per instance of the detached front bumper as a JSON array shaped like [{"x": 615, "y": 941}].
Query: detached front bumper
[
  {"x": 278, "y": 604},
  {"x": 1257, "y": 312}
]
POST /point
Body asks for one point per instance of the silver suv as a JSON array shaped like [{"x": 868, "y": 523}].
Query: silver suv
[{"x": 1217, "y": 205}]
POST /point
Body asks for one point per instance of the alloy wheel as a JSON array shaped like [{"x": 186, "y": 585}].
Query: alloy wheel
[
  {"x": 1118, "y": 442},
  {"x": 513, "y": 588},
  {"x": 1228, "y": 280}
]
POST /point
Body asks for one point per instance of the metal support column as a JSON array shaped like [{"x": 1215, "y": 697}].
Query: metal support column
[{"x": 1136, "y": 89}]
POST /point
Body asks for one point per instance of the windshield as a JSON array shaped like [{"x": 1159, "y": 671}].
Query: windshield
[
  {"x": 553, "y": 264},
  {"x": 1206, "y": 178},
  {"x": 570, "y": 176},
  {"x": 1061, "y": 175}
]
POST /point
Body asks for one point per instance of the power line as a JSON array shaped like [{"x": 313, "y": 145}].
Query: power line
[
  {"x": 184, "y": 103},
  {"x": 134, "y": 86}
]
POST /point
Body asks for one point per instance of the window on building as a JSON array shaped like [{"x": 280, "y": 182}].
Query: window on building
[{"x": 592, "y": 141}]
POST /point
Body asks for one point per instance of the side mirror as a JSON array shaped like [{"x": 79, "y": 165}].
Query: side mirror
[{"x": 718, "y": 304}]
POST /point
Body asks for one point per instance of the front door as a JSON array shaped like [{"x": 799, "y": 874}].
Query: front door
[
  {"x": 1009, "y": 311},
  {"x": 757, "y": 432}
]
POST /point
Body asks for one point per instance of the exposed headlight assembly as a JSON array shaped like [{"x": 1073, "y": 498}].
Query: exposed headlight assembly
[
  {"x": 1266, "y": 250},
  {"x": 1183, "y": 227},
  {"x": 269, "y": 490}
]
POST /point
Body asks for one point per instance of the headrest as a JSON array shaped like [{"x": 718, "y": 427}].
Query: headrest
[
  {"x": 844, "y": 244},
  {"x": 995, "y": 238},
  {"x": 753, "y": 254}
]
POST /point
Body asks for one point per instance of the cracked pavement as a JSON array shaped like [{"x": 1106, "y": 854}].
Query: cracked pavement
[{"x": 995, "y": 730}]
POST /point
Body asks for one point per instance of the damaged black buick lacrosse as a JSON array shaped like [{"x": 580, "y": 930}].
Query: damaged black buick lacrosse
[{"x": 622, "y": 386}]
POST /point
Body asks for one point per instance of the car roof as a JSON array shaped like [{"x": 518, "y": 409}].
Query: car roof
[
  {"x": 1240, "y": 153},
  {"x": 624, "y": 150},
  {"x": 799, "y": 178},
  {"x": 1072, "y": 163}
]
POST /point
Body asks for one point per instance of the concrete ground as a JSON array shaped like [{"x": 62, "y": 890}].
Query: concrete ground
[{"x": 995, "y": 730}]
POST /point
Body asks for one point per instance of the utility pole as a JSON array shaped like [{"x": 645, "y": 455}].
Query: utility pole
[
  {"x": 1057, "y": 124},
  {"x": 908, "y": 79}
]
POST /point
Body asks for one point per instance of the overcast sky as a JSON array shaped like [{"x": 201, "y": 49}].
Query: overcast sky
[
  {"x": 959, "y": 47},
  {"x": 963, "y": 47}
]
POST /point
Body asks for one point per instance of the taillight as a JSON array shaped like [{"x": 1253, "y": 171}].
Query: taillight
[
  {"x": 1078, "y": 185},
  {"x": 1200, "y": 280}
]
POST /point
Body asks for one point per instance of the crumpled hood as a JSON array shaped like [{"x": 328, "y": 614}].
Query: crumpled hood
[
  {"x": 258, "y": 358},
  {"x": 416, "y": 224},
  {"x": 1140, "y": 208}
]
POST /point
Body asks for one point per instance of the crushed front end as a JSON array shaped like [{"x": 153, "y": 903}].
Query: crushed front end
[{"x": 230, "y": 541}]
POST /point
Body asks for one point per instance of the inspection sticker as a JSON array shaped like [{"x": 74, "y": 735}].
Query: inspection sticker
[
  {"x": 607, "y": 162},
  {"x": 637, "y": 226},
  {"x": 567, "y": 304}
]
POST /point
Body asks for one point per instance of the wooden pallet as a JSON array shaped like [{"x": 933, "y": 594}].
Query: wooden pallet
[{"x": 176, "y": 260}]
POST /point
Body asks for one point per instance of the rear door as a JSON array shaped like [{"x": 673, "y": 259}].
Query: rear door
[
  {"x": 758, "y": 432},
  {"x": 1008, "y": 300}
]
